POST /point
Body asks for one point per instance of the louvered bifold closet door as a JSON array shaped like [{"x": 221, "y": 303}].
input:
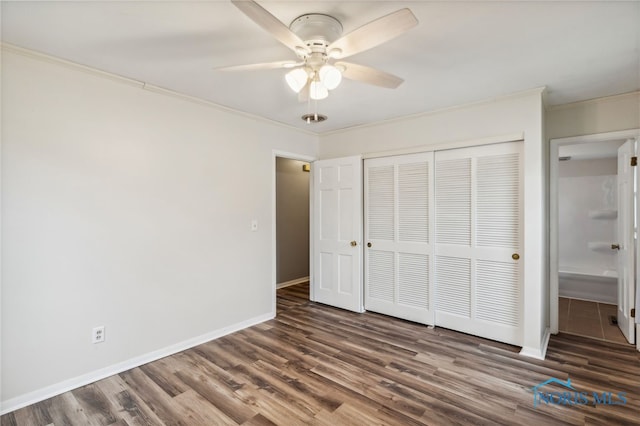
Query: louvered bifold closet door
[
  {"x": 398, "y": 234},
  {"x": 478, "y": 247}
]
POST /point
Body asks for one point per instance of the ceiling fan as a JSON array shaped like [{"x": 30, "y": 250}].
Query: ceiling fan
[{"x": 318, "y": 43}]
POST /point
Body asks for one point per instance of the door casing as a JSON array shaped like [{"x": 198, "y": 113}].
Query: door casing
[
  {"x": 274, "y": 281},
  {"x": 554, "y": 150}
]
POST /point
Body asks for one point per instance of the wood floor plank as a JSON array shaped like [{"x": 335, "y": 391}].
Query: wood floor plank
[
  {"x": 313, "y": 395},
  {"x": 166, "y": 381},
  {"x": 202, "y": 411},
  {"x": 259, "y": 420},
  {"x": 272, "y": 407},
  {"x": 127, "y": 404},
  {"x": 8, "y": 420},
  {"x": 202, "y": 380},
  {"x": 285, "y": 394},
  {"x": 349, "y": 415},
  {"x": 221, "y": 377},
  {"x": 65, "y": 410},
  {"x": 315, "y": 364},
  {"x": 95, "y": 404},
  {"x": 36, "y": 414},
  {"x": 155, "y": 397}
]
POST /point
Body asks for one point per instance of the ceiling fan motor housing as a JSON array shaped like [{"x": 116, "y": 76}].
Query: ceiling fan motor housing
[{"x": 317, "y": 30}]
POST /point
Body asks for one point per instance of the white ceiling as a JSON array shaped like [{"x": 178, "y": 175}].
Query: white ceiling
[{"x": 460, "y": 52}]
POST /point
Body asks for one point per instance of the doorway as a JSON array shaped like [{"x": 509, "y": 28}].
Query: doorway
[
  {"x": 291, "y": 221},
  {"x": 584, "y": 235}
]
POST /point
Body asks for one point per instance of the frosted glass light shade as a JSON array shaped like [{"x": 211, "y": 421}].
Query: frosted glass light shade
[
  {"x": 296, "y": 79},
  {"x": 317, "y": 90},
  {"x": 330, "y": 76}
]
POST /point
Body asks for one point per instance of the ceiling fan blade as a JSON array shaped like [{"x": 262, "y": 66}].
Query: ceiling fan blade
[
  {"x": 261, "y": 66},
  {"x": 369, "y": 75},
  {"x": 374, "y": 33},
  {"x": 270, "y": 23}
]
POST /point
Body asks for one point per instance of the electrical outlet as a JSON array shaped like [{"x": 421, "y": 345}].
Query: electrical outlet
[{"x": 97, "y": 334}]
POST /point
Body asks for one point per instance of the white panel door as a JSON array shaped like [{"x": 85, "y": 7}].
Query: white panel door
[
  {"x": 337, "y": 225},
  {"x": 478, "y": 241},
  {"x": 398, "y": 234},
  {"x": 626, "y": 264}
]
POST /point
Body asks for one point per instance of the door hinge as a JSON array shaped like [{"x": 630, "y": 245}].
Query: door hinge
[
  {"x": 634, "y": 161},
  {"x": 633, "y": 313}
]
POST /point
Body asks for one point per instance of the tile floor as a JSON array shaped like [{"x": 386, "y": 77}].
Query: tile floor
[{"x": 590, "y": 319}]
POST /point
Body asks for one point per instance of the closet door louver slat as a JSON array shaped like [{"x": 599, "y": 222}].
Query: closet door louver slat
[
  {"x": 498, "y": 210},
  {"x": 497, "y": 299},
  {"x": 381, "y": 199},
  {"x": 413, "y": 280},
  {"x": 381, "y": 274},
  {"x": 413, "y": 202},
  {"x": 453, "y": 201},
  {"x": 454, "y": 285}
]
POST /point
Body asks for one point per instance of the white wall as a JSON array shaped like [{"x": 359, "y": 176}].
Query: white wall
[
  {"x": 601, "y": 115},
  {"x": 292, "y": 221},
  {"x": 586, "y": 186},
  {"x": 518, "y": 114},
  {"x": 130, "y": 209}
]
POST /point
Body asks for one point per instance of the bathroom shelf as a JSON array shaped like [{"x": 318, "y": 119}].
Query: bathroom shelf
[{"x": 603, "y": 214}]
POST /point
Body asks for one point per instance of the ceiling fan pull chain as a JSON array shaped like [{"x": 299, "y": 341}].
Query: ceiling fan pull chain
[{"x": 315, "y": 110}]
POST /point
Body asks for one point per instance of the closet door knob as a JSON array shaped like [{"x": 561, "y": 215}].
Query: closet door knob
[
  {"x": 615, "y": 246},
  {"x": 353, "y": 244},
  {"x": 368, "y": 244},
  {"x": 515, "y": 256}
]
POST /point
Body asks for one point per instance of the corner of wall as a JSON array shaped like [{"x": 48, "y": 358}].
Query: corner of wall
[
  {"x": 539, "y": 352},
  {"x": 546, "y": 247},
  {"x": 1, "y": 112}
]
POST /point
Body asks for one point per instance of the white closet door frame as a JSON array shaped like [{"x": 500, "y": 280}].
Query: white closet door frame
[
  {"x": 398, "y": 271},
  {"x": 453, "y": 261}
]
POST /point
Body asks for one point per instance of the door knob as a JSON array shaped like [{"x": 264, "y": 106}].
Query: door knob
[
  {"x": 615, "y": 246},
  {"x": 368, "y": 244},
  {"x": 515, "y": 256},
  {"x": 353, "y": 243}
]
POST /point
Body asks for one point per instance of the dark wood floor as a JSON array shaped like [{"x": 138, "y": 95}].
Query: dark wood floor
[{"x": 317, "y": 365}]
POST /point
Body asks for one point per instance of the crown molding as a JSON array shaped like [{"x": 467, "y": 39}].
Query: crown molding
[{"x": 6, "y": 47}]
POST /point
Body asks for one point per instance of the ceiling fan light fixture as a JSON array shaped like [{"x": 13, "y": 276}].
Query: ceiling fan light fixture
[
  {"x": 330, "y": 76},
  {"x": 296, "y": 79},
  {"x": 317, "y": 91}
]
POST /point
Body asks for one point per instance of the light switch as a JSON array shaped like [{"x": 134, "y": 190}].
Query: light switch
[{"x": 254, "y": 225}]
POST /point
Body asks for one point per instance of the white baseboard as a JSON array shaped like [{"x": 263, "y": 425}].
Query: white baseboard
[
  {"x": 541, "y": 352},
  {"x": 292, "y": 282},
  {"x": 85, "y": 379}
]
